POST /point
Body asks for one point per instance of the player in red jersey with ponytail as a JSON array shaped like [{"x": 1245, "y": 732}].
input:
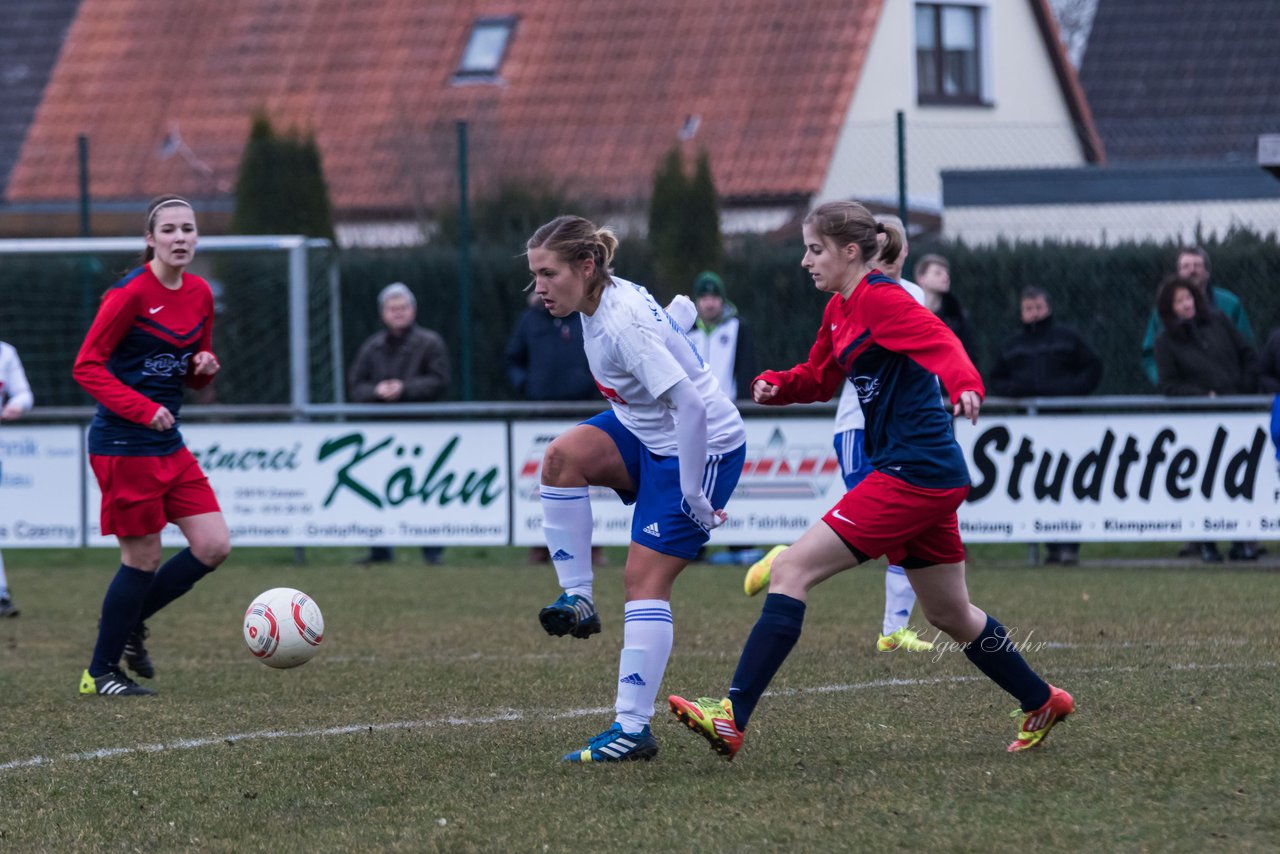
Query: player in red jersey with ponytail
[
  {"x": 876, "y": 336},
  {"x": 152, "y": 336}
]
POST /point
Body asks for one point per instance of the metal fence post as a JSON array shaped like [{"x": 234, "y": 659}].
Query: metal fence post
[
  {"x": 464, "y": 264},
  {"x": 902, "y": 171}
]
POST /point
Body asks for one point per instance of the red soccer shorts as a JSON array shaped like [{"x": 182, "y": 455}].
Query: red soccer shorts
[
  {"x": 911, "y": 525},
  {"x": 141, "y": 494}
]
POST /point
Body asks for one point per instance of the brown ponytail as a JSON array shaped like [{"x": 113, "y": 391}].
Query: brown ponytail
[
  {"x": 574, "y": 240},
  {"x": 844, "y": 223}
]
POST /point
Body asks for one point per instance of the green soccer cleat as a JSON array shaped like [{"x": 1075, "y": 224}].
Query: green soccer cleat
[
  {"x": 757, "y": 577},
  {"x": 903, "y": 638}
]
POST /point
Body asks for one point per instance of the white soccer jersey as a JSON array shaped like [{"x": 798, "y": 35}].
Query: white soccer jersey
[
  {"x": 13, "y": 380},
  {"x": 849, "y": 411},
  {"x": 637, "y": 353}
]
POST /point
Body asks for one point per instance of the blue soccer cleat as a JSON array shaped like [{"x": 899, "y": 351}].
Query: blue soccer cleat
[
  {"x": 571, "y": 614},
  {"x": 614, "y": 745}
]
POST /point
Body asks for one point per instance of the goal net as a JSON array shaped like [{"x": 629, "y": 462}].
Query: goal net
[{"x": 276, "y": 332}]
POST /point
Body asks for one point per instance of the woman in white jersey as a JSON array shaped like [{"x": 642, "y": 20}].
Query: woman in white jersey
[
  {"x": 15, "y": 399},
  {"x": 899, "y": 598},
  {"x": 672, "y": 443}
]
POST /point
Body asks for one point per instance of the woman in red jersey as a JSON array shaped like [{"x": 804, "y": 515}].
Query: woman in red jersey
[
  {"x": 894, "y": 351},
  {"x": 152, "y": 336}
]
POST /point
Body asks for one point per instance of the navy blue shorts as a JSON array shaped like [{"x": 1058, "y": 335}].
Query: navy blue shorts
[{"x": 660, "y": 520}]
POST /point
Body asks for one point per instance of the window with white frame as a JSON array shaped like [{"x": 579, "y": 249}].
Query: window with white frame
[
  {"x": 486, "y": 48},
  {"x": 949, "y": 53}
]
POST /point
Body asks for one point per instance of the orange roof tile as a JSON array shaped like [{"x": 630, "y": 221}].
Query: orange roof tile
[{"x": 591, "y": 94}]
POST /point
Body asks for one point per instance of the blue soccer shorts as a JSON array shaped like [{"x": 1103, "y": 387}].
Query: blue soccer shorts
[{"x": 660, "y": 521}]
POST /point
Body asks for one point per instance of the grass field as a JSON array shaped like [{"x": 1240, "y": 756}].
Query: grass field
[{"x": 436, "y": 712}]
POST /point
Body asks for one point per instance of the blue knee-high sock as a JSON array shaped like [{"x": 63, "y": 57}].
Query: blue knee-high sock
[
  {"x": 994, "y": 654},
  {"x": 178, "y": 575},
  {"x": 120, "y": 609},
  {"x": 768, "y": 645}
]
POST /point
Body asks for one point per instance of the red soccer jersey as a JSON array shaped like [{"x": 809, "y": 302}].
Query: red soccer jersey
[
  {"x": 135, "y": 359},
  {"x": 890, "y": 347}
]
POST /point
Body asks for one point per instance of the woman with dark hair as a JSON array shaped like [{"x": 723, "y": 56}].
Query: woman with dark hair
[
  {"x": 153, "y": 335},
  {"x": 875, "y": 335},
  {"x": 1200, "y": 352}
]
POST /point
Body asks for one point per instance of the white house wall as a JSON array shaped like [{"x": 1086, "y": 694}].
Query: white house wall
[
  {"x": 1027, "y": 124},
  {"x": 1103, "y": 224}
]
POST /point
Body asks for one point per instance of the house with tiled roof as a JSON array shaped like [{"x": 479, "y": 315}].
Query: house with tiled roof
[
  {"x": 1181, "y": 91},
  {"x": 794, "y": 102},
  {"x": 30, "y": 40}
]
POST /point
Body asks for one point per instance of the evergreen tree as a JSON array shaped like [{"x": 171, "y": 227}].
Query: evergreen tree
[
  {"x": 704, "y": 248},
  {"x": 684, "y": 221},
  {"x": 281, "y": 188}
]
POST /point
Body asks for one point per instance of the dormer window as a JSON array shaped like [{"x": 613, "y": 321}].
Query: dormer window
[{"x": 485, "y": 49}]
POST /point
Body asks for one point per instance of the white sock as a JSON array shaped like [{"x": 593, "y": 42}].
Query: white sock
[
  {"x": 899, "y": 599},
  {"x": 566, "y": 523},
  {"x": 4, "y": 582},
  {"x": 646, "y": 646}
]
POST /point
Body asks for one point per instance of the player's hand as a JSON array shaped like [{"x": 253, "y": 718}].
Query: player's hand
[
  {"x": 968, "y": 405},
  {"x": 700, "y": 509},
  {"x": 162, "y": 420},
  {"x": 205, "y": 363},
  {"x": 11, "y": 412},
  {"x": 763, "y": 392}
]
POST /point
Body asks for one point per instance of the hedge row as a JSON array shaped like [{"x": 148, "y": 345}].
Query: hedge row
[{"x": 1106, "y": 293}]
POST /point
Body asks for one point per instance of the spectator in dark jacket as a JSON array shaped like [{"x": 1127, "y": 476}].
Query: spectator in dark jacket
[
  {"x": 1201, "y": 352},
  {"x": 1046, "y": 359},
  {"x": 1193, "y": 265},
  {"x": 545, "y": 359},
  {"x": 404, "y": 363}
]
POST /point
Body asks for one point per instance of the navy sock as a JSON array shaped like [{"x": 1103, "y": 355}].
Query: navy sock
[
  {"x": 178, "y": 575},
  {"x": 995, "y": 655},
  {"x": 120, "y": 609},
  {"x": 768, "y": 645}
]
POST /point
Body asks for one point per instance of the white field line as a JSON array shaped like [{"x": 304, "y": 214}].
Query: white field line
[{"x": 516, "y": 715}]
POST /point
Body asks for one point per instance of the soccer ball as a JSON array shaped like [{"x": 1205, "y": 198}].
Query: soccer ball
[{"x": 283, "y": 627}]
